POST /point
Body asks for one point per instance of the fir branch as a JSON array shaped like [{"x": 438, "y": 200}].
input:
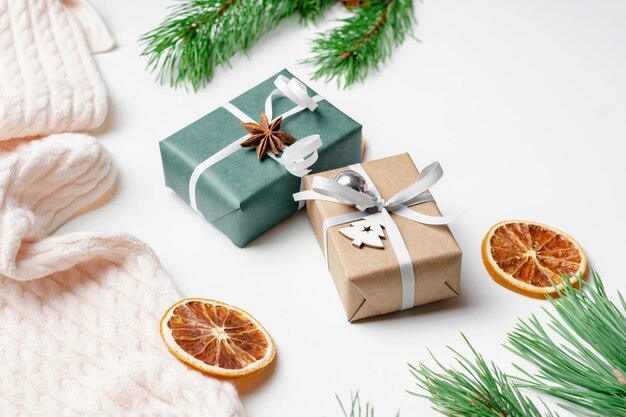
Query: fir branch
[
  {"x": 199, "y": 35},
  {"x": 477, "y": 390},
  {"x": 355, "y": 407},
  {"x": 588, "y": 369},
  {"x": 363, "y": 42}
]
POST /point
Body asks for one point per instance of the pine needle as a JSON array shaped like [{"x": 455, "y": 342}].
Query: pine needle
[
  {"x": 587, "y": 369},
  {"x": 355, "y": 408},
  {"x": 311, "y": 10},
  {"x": 478, "y": 389}
]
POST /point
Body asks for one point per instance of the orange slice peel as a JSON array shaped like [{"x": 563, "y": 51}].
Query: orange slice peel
[
  {"x": 531, "y": 258},
  {"x": 216, "y": 338}
]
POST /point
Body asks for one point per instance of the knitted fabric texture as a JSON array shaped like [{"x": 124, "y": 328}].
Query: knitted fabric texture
[{"x": 80, "y": 312}]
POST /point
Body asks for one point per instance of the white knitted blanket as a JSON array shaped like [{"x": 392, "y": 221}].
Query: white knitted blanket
[{"x": 79, "y": 313}]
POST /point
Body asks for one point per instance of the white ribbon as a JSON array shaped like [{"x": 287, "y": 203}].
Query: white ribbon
[
  {"x": 296, "y": 159},
  {"x": 372, "y": 203}
]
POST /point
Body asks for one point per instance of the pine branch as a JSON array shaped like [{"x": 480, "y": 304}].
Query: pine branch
[
  {"x": 477, "y": 390},
  {"x": 363, "y": 42},
  {"x": 588, "y": 369},
  {"x": 355, "y": 407},
  {"x": 200, "y": 35}
]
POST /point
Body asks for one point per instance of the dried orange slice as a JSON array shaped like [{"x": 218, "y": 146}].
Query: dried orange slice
[
  {"x": 525, "y": 256},
  {"x": 216, "y": 338}
]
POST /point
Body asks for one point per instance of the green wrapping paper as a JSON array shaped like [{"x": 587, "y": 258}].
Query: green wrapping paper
[{"x": 240, "y": 195}]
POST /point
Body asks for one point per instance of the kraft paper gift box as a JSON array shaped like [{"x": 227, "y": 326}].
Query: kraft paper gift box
[
  {"x": 369, "y": 280},
  {"x": 240, "y": 195}
]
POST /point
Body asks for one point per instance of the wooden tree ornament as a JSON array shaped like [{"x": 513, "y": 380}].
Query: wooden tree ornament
[{"x": 368, "y": 232}]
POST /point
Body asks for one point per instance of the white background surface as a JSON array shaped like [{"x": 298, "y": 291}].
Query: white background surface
[{"x": 524, "y": 105}]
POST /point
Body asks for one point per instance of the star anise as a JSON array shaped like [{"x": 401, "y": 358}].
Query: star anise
[{"x": 267, "y": 137}]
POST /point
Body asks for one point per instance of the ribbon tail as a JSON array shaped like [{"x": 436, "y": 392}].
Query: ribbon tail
[
  {"x": 422, "y": 218},
  {"x": 314, "y": 195},
  {"x": 300, "y": 157},
  {"x": 427, "y": 178},
  {"x": 301, "y": 203}
]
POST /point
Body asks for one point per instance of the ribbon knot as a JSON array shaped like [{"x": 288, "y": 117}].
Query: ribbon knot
[
  {"x": 417, "y": 193},
  {"x": 380, "y": 204}
]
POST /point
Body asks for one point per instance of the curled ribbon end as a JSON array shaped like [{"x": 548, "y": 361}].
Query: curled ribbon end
[{"x": 299, "y": 157}]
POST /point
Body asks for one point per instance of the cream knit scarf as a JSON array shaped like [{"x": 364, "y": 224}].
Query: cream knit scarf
[{"x": 79, "y": 313}]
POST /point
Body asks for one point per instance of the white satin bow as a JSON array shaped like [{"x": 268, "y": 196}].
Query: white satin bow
[{"x": 329, "y": 190}]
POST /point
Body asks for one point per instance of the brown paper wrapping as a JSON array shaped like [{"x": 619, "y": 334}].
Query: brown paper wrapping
[{"x": 368, "y": 280}]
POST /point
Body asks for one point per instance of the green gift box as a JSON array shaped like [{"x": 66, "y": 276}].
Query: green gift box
[{"x": 242, "y": 196}]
